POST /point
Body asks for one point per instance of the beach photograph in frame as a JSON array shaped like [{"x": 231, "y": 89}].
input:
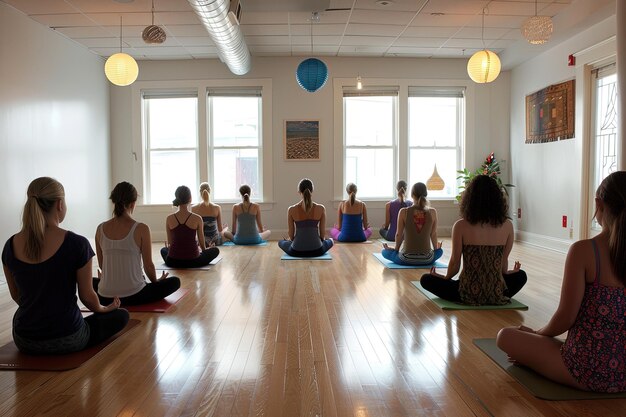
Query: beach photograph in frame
[{"x": 302, "y": 140}]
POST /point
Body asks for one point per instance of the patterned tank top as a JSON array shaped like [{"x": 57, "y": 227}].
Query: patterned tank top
[
  {"x": 211, "y": 233},
  {"x": 481, "y": 281},
  {"x": 594, "y": 349}
]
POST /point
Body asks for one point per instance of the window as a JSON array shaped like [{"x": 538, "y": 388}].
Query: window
[
  {"x": 604, "y": 134},
  {"x": 370, "y": 141},
  {"x": 235, "y": 142},
  {"x": 436, "y": 126},
  {"x": 171, "y": 140},
  {"x": 185, "y": 139}
]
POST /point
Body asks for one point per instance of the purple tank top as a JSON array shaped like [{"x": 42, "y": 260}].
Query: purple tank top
[
  {"x": 394, "y": 209},
  {"x": 184, "y": 244}
]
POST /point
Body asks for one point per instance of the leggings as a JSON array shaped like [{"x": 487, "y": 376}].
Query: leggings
[
  {"x": 344, "y": 237},
  {"x": 285, "y": 245},
  {"x": 204, "y": 259},
  {"x": 448, "y": 289},
  {"x": 384, "y": 233},
  {"x": 151, "y": 292},
  {"x": 96, "y": 328},
  {"x": 394, "y": 256}
]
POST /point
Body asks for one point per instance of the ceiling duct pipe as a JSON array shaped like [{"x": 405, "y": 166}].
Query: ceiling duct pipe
[{"x": 225, "y": 33}]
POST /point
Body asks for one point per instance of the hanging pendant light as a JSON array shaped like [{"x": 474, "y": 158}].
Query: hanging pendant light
[
  {"x": 312, "y": 73},
  {"x": 435, "y": 182},
  {"x": 121, "y": 69},
  {"x": 153, "y": 33},
  {"x": 483, "y": 66},
  {"x": 537, "y": 29}
]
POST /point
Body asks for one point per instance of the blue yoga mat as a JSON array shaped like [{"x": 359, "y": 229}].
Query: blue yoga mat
[
  {"x": 229, "y": 243},
  {"x": 391, "y": 265},
  {"x": 324, "y": 257}
]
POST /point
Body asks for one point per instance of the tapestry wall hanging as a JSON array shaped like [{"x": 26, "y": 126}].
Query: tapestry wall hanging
[{"x": 550, "y": 113}]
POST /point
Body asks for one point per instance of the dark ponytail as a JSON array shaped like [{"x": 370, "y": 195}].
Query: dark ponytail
[
  {"x": 419, "y": 192},
  {"x": 245, "y": 191},
  {"x": 183, "y": 196},
  {"x": 351, "y": 190},
  {"x": 401, "y": 189},
  {"x": 122, "y": 196}
]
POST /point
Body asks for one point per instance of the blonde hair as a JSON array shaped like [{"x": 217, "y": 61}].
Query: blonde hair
[
  {"x": 205, "y": 192},
  {"x": 351, "y": 190},
  {"x": 42, "y": 194}
]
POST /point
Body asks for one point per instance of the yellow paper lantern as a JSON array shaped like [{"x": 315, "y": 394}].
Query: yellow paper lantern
[
  {"x": 483, "y": 66},
  {"x": 121, "y": 69}
]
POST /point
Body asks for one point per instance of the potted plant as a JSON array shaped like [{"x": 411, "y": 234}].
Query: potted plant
[{"x": 491, "y": 167}]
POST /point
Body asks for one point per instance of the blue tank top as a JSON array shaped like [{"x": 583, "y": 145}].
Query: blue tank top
[
  {"x": 351, "y": 228},
  {"x": 307, "y": 236}
]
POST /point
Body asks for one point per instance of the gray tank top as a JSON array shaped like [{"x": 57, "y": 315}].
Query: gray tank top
[{"x": 246, "y": 224}]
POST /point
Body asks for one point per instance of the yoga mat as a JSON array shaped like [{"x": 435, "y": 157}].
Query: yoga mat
[
  {"x": 538, "y": 385},
  {"x": 391, "y": 265},
  {"x": 160, "y": 306},
  {"x": 12, "y": 359},
  {"x": 381, "y": 240},
  {"x": 229, "y": 243},
  {"x": 163, "y": 267},
  {"x": 324, "y": 257},
  {"x": 449, "y": 305},
  {"x": 365, "y": 242}
]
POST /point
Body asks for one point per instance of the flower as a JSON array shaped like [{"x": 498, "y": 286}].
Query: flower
[{"x": 490, "y": 167}]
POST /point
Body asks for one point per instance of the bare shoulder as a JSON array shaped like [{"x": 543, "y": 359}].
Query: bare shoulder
[{"x": 142, "y": 228}]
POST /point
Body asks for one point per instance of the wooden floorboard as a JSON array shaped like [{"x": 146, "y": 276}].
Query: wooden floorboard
[{"x": 257, "y": 336}]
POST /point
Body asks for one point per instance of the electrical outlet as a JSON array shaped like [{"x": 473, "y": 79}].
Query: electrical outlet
[
  {"x": 564, "y": 222},
  {"x": 571, "y": 233},
  {"x": 519, "y": 213}
]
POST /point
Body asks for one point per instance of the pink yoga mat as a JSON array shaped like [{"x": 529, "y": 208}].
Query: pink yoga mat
[{"x": 12, "y": 359}]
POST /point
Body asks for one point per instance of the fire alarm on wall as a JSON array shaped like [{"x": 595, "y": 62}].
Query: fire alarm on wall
[{"x": 571, "y": 60}]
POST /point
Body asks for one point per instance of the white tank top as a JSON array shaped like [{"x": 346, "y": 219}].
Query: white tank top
[{"x": 121, "y": 266}]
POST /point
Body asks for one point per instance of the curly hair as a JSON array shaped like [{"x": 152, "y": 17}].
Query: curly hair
[{"x": 484, "y": 202}]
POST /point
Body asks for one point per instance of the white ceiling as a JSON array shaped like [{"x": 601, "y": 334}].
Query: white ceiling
[{"x": 404, "y": 28}]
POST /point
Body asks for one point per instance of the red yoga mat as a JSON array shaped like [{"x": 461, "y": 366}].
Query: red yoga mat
[{"x": 12, "y": 359}]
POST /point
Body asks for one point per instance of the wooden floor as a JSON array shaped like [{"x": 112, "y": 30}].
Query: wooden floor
[{"x": 258, "y": 336}]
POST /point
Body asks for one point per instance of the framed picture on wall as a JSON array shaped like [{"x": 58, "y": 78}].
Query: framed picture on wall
[
  {"x": 550, "y": 113},
  {"x": 302, "y": 140}
]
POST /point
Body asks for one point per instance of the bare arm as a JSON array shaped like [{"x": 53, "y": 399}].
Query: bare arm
[
  {"x": 145, "y": 247},
  {"x": 339, "y": 215},
  {"x": 507, "y": 247},
  {"x": 387, "y": 216},
  {"x": 433, "y": 232},
  {"x": 259, "y": 223},
  {"x": 233, "y": 229},
  {"x": 366, "y": 224},
  {"x": 323, "y": 222},
  {"x": 200, "y": 233},
  {"x": 168, "y": 232},
  {"x": 572, "y": 291},
  {"x": 87, "y": 294},
  {"x": 291, "y": 224},
  {"x": 98, "y": 247},
  {"x": 219, "y": 219},
  {"x": 13, "y": 290},
  {"x": 400, "y": 229},
  {"x": 457, "y": 249}
]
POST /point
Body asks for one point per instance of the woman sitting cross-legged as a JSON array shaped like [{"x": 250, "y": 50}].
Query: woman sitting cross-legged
[
  {"x": 591, "y": 310},
  {"x": 121, "y": 245},
  {"x": 352, "y": 223},
  {"x": 392, "y": 208},
  {"x": 484, "y": 237},
  {"x": 211, "y": 215},
  {"x": 183, "y": 227},
  {"x": 247, "y": 226},
  {"x": 306, "y": 221},
  {"x": 43, "y": 264},
  {"x": 416, "y": 234}
]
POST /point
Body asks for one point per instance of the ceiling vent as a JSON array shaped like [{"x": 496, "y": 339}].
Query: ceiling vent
[{"x": 225, "y": 32}]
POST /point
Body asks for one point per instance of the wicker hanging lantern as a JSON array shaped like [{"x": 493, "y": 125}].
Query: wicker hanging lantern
[{"x": 153, "y": 33}]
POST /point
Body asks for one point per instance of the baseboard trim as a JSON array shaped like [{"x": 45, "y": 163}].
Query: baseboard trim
[{"x": 542, "y": 241}]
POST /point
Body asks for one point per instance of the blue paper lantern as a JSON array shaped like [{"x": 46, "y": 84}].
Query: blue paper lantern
[{"x": 312, "y": 74}]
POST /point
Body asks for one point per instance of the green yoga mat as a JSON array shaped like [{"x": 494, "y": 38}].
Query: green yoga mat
[
  {"x": 538, "y": 385},
  {"x": 449, "y": 305}
]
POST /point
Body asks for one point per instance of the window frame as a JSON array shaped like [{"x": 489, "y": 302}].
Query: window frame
[
  {"x": 201, "y": 88},
  {"x": 401, "y": 168}
]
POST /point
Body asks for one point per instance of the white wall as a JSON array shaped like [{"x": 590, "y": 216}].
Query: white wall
[
  {"x": 491, "y": 124},
  {"x": 548, "y": 176},
  {"x": 54, "y": 121}
]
